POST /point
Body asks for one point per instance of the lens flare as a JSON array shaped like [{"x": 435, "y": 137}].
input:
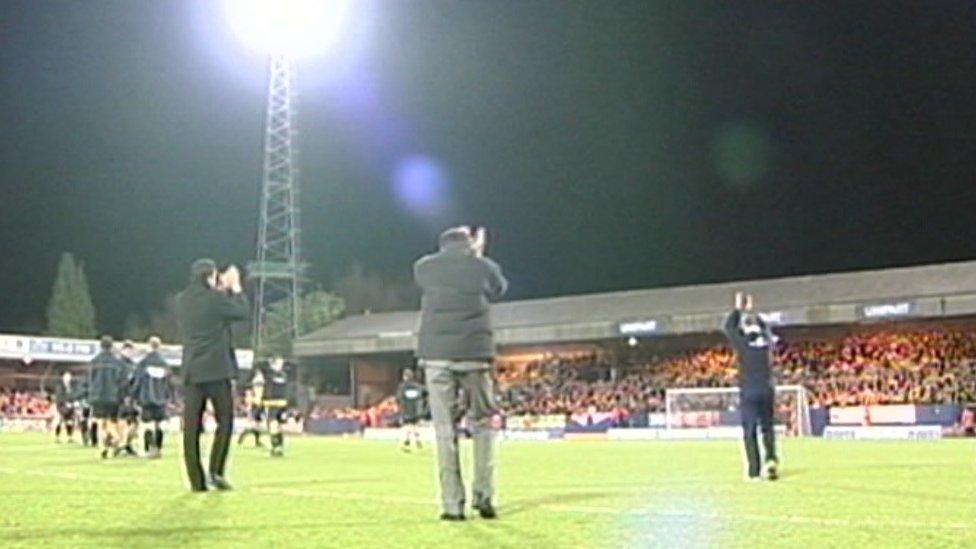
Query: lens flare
[{"x": 420, "y": 184}]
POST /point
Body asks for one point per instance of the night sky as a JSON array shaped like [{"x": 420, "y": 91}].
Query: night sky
[{"x": 606, "y": 145}]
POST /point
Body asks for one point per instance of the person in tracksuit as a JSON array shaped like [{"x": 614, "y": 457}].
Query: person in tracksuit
[
  {"x": 753, "y": 343},
  {"x": 253, "y": 397},
  {"x": 128, "y": 411},
  {"x": 275, "y": 403},
  {"x": 106, "y": 375},
  {"x": 66, "y": 397},
  {"x": 86, "y": 419},
  {"x": 410, "y": 397},
  {"x": 456, "y": 347},
  {"x": 152, "y": 390}
]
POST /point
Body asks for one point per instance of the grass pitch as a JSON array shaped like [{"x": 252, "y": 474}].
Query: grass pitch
[{"x": 353, "y": 493}]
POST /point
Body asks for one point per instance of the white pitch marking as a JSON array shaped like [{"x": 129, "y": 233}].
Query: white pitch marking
[{"x": 664, "y": 514}]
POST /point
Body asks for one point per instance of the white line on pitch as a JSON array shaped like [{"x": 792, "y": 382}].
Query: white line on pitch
[{"x": 651, "y": 513}]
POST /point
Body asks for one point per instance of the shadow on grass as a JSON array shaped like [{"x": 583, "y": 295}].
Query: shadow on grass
[
  {"x": 200, "y": 533},
  {"x": 561, "y": 498},
  {"x": 787, "y": 474},
  {"x": 203, "y": 519},
  {"x": 96, "y": 461}
]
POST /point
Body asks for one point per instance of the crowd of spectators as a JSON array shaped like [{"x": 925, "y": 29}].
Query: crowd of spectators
[
  {"x": 587, "y": 382},
  {"x": 912, "y": 367},
  {"x": 24, "y": 404},
  {"x": 904, "y": 367},
  {"x": 922, "y": 367},
  {"x": 381, "y": 414}
]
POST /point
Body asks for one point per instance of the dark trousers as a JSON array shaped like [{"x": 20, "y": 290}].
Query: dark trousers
[
  {"x": 195, "y": 396},
  {"x": 757, "y": 410}
]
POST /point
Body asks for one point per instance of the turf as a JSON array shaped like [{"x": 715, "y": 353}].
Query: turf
[{"x": 353, "y": 493}]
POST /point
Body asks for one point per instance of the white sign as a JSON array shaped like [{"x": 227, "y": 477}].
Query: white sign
[
  {"x": 868, "y": 415},
  {"x": 634, "y": 434},
  {"x": 774, "y": 317},
  {"x": 711, "y": 433},
  {"x": 638, "y": 327},
  {"x": 391, "y": 434},
  {"x": 82, "y": 350},
  {"x": 657, "y": 419},
  {"x": 22, "y": 425},
  {"x": 916, "y": 432},
  {"x": 887, "y": 309},
  {"x": 526, "y": 435},
  {"x": 14, "y": 346},
  {"x": 401, "y": 333}
]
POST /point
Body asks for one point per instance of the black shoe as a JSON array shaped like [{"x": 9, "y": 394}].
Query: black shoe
[
  {"x": 452, "y": 516},
  {"x": 199, "y": 489},
  {"x": 105, "y": 453},
  {"x": 220, "y": 483},
  {"x": 772, "y": 469},
  {"x": 486, "y": 510}
]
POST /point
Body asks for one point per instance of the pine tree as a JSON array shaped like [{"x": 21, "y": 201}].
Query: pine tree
[{"x": 70, "y": 312}]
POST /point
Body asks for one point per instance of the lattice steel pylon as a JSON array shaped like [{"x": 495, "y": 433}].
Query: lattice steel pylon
[{"x": 277, "y": 272}]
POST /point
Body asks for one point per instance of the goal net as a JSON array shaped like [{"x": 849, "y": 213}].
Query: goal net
[{"x": 717, "y": 409}]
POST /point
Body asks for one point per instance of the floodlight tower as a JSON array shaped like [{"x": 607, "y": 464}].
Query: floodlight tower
[
  {"x": 277, "y": 269},
  {"x": 284, "y": 30}
]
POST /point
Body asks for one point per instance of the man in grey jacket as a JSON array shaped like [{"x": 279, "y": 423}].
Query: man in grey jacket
[{"x": 455, "y": 348}]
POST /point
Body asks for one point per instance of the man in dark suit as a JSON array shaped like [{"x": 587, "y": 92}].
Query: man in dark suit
[{"x": 207, "y": 308}]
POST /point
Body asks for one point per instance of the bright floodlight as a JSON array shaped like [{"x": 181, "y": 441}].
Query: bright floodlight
[{"x": 296, "y": 28}]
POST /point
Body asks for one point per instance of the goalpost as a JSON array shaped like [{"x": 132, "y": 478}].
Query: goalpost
[{"x": 715, "y": 408}]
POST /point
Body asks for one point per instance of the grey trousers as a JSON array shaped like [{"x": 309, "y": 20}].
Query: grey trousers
[{"x": 444, "y": 379}]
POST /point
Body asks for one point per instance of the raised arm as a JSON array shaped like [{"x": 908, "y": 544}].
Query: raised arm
[
  {"x": 234, "y": 308},
  {"x": 497, "y": 283},
  {"x": 767, "y": 330},
  {"x": 731, "y": 324}
]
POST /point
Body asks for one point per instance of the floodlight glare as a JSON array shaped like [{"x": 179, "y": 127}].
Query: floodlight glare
[{"x": 295, "y": 28}]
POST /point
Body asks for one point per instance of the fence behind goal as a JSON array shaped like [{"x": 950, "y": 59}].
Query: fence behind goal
[{"x": 718, "y": 407}]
